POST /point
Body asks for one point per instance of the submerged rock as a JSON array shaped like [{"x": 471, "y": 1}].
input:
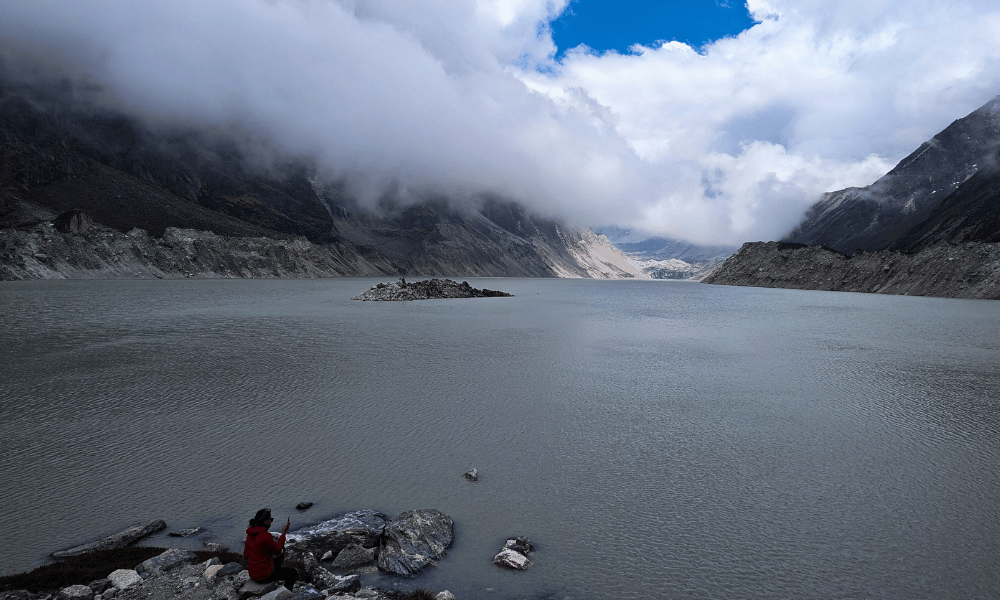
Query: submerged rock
[
  {"x": 426, "y": 290},
  {"x": 184, "y": 532},
  {"x": 118, "y": 540}
]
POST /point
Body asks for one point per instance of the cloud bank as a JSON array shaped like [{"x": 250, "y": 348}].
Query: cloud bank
[{"x": 723, "y": 144}]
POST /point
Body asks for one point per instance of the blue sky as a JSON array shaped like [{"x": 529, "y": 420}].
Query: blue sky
[
  {"x": 707, "y": 138},
  {"x": 618, "y": 24}
]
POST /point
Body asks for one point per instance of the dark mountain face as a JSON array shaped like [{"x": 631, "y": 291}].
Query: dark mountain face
[
  {"x": 919, "y": 201},
  {"x": 63, "y": 152}
]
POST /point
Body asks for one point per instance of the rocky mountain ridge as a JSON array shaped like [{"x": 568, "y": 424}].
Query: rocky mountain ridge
[
  {"x": 954, "y": 172},
  {"x": 931, "y": 226}
]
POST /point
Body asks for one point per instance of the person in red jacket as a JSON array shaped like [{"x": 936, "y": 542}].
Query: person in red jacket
[{"x": 264, "y": 555}]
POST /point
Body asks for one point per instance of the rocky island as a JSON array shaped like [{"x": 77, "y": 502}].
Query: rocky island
[{"x": 426, "y": 290}]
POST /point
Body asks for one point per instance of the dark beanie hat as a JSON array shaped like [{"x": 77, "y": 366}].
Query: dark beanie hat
[{"x": 261, "y": 517}]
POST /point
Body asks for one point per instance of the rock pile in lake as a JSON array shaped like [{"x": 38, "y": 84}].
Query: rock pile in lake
[{"x": 426, "y": 290}]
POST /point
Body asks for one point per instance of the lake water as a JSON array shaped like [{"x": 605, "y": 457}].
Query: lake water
[{"x": 653, "y": 439}]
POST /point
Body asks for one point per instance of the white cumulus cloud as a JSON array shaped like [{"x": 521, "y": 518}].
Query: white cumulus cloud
[{"x": 725, "y": 143}]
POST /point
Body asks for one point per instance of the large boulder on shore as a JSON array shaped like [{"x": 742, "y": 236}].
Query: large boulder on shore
[
  {"x": 413, "y": 540},
  {"x": 123, "y": 579},
  {"x": 362, "y": 527},
  {"x": 119, "y": 540},
  {"x": 76, "y": 592}
]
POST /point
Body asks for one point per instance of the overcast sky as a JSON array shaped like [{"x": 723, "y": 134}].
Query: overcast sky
[{"x": 729, "y": 141}]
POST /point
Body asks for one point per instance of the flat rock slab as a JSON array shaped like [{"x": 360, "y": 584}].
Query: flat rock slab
[
  {"x": 166, "y": 561},
  {"x": 252, "y": 589},
  {"x": 426, "y": 290},
  {"x": 118, "y": 540}
]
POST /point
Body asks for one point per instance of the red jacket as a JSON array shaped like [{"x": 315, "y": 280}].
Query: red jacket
[{"x": 259, "y": 550}]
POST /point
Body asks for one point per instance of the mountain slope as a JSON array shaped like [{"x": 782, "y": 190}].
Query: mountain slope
[
  {"x": 62, "y": 150},
  {"x": 931, "y": 226},
  {"x": 891, "y": 212}
]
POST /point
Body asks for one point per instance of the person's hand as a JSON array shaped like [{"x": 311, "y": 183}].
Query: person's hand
[{"x": 288, "y": 523}]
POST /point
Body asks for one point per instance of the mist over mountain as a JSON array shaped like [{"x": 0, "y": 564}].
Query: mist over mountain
[
  {"x": 69, "y": 159},
  {"x": 715, "y": 144}
]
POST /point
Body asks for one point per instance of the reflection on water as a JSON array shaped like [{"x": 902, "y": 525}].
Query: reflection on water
[{"x": 653, "y": 439}]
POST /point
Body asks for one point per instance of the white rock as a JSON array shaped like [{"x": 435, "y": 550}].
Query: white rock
[
  {"x": 211, "y": 571},
  {"x": 445, "y": 595},
  {"x": 76, "y": 592},
  {"x": 123, "y": 579},
  {"x": 513, "y": 560}
]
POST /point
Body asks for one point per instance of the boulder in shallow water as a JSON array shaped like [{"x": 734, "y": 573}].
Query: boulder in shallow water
[
  {"x": 519, "y": 544},
  {"x": 514, "y": 554},
  {"x": 472, "y": 475},
  {"x": 511, "y": 559},
  {"x": 413, "y": 540}
]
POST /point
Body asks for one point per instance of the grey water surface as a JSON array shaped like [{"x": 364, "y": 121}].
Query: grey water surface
[{"x": 653, "y": 439}]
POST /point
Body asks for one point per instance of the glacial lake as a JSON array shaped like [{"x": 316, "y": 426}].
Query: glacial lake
[{"x": 653, "y": 439}]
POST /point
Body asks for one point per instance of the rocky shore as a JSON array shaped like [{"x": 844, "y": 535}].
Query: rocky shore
[
  {"x": 330, "y": 558},
  {"x": 426, "y": 290},
  {"x": 968, "y": 270}
]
